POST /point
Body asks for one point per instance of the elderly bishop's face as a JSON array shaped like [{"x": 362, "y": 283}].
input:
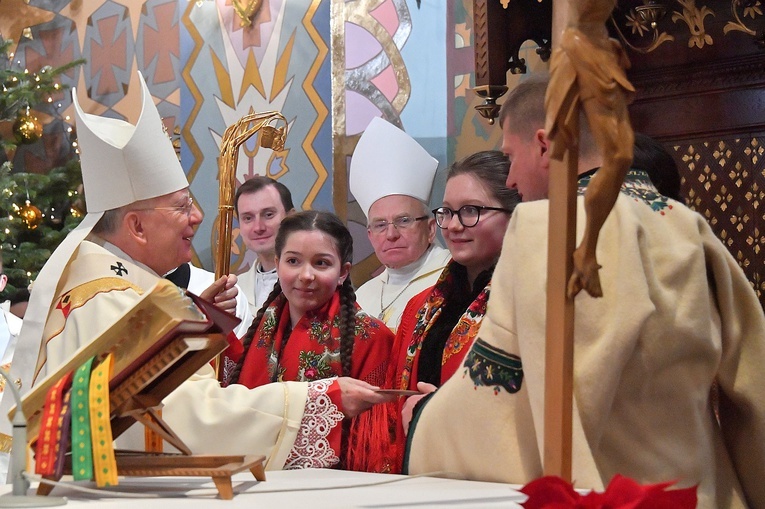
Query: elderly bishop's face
[
  {"x": 394, "y": 246},
  {"x": 170, "y": 222}
]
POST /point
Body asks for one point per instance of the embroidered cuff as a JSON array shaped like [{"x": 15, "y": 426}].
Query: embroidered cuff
[{"x": 319, "y": 429}]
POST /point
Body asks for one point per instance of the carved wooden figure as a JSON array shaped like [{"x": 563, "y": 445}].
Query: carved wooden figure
[{"x": 587, "y": 72}]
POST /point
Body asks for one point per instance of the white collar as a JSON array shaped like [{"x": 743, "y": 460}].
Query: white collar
[
  {"x": 259, "y": 269},
  {"x": 406, "y": 273}
]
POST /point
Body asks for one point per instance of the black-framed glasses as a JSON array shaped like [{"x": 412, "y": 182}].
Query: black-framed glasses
[
  {"x": 400, "y": 223},
  {"x": 469, "y": 215},
  {"x": 183, "y": 209}
]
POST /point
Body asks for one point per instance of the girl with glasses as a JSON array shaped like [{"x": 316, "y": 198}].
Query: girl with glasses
[{"x": 439, "y": 324}]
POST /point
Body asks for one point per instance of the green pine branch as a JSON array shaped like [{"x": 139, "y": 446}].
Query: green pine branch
[
  {"x": 22, "y": 89},
  {"x": 26, "y": 247}
]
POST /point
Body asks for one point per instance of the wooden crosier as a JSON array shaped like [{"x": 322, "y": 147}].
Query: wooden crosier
[
  {"x": 156, "y": 346},
  {"x": 586, "y": 72}
]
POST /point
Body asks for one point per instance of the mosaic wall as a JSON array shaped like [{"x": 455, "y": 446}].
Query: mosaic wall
[{"x": 115, "y": 39}]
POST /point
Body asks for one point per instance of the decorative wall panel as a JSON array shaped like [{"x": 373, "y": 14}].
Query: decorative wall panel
[
  {"x": 700, "y": 75},
  {"x": 724, "y": 181},
  {"x": 280, "y": 62}
]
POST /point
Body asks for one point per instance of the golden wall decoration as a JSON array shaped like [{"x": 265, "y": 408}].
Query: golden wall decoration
[
  {"x": 643, "y": 28},
  {"x": 724, "y": 181},
  {"x": 246, "y": 9}
]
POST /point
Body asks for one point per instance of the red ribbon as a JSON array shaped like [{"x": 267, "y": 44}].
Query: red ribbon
[
  {"x": 48, "y": 437},
  {"x": 621, "y": 493}
]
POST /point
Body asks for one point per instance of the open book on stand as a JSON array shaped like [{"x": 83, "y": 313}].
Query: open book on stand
[
  {"x": 155, "y": 346},
  {"x": 166, "y": 320}
]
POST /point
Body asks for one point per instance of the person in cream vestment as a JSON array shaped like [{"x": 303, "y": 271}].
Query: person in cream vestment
[
  {"x": 668, "y": 378},
  {"x": 139, "y": 225}
]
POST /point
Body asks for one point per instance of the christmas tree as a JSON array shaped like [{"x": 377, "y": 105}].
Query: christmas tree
[{"x": 36, "y": 210}]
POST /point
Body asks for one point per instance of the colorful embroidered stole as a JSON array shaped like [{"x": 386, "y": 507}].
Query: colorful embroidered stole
[
  {"x": 461, "y": 336},
  {"x": 312, "y": 348},
  {"x": 312, "y": 352},
  {"x": 67, "y": 418}
]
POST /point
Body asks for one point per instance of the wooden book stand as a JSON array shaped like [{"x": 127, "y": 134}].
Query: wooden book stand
[{"x": 157, "y": 345}]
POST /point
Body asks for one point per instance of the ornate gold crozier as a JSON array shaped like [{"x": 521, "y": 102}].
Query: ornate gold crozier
[
  {"x": 234, "y": 137},
  {"x": 160, "y": 342}
]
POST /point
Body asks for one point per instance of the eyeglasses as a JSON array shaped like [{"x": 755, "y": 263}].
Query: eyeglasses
[
  {"x": 469, "y": 215},
  {"x": 400, "y": 223},
  {"x": 183, "y": 209}
]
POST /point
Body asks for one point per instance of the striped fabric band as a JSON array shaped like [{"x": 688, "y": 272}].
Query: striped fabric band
[
  {"x": 63, "y": 434},
  {"x": 104, "y": 462},
  {"x": 82, "y": 451},
  {"x": 47, "y": 439}
]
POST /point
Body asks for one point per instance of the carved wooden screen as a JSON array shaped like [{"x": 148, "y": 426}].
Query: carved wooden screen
[
  {"x": 699, "y": 70},
  {"x": 700, "y": 76},
  {"x": 723, "y": 180}
]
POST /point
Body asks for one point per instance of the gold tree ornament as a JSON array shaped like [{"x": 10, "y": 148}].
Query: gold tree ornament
[
  {"x": 26, "y": 128},
  {"x": 30, "y": 215},
  {"x": 77, "y": 208},
  {"x": 246, "y": 10}
]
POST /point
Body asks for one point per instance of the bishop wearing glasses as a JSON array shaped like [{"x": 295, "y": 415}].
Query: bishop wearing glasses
[{"x": 391, "y": 177}]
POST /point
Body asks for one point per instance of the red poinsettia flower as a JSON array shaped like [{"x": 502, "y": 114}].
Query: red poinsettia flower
[{"x": 552, "y": 492}]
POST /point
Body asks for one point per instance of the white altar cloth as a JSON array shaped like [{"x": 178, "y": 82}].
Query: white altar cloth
[{"x": 292, "y": 489}]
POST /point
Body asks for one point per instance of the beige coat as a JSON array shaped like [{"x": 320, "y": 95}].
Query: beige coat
[{"x": 677, "y": 314}]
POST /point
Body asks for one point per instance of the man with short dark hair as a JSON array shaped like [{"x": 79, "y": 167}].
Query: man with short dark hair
[{"x": 261, "y": 203}]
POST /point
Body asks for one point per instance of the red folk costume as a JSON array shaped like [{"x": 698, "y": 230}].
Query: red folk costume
[
  {"x": 421, "y": 313},
  {"x": 312, "y": 351}
]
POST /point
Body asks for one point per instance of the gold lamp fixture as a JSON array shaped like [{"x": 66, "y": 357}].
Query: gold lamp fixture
[{"x": 651, "y": 12}]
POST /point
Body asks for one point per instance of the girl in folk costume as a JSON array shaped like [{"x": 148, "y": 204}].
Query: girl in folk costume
[
  {"x": 439, "y": 324},
  {"x": 310, "y": 326}
]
